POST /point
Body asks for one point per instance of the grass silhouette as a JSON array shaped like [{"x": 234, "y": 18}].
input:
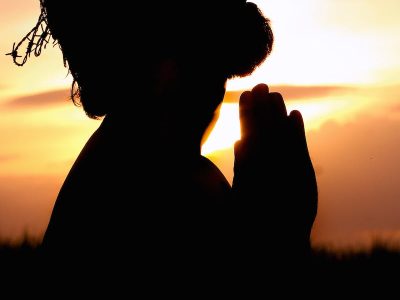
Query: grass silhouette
[
  {"x": 331, "y": 270},
  {"x": 381, "y": 253}
]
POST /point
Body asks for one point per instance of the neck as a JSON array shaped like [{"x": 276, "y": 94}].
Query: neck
[{"x": 162, "y": 133}]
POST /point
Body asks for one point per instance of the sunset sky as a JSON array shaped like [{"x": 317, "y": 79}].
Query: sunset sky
[{"x": 337, "y": 61}]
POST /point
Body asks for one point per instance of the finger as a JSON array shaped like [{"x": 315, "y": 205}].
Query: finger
[
  {"x": 277, "y": 107},
  {"x": 246, "y": 114},
  {"x": 237, "y": 150},
  {"x": 256, "y": 112},
  {"x": 297, "y": 132},
  {"x": 270, "y": 115},
  {"x": 263, "y": 115},
  {"x": 260, "y": 89},
  {"x": 270, "y": 105}
]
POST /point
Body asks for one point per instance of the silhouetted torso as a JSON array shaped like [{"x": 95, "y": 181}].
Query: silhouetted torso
[{"x": 131, "y": 193}]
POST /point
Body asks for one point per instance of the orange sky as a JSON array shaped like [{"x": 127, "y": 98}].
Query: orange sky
[{"x": 336, "y": 61}]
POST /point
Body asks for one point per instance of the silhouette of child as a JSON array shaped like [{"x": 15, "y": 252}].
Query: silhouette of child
[{"x": 156, "y": 74}]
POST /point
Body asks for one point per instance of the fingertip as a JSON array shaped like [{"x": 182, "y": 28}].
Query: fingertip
[
  {"x": 297, "y": 117},
  {"x": 246, "y": 111},
  {"x": 238, "y": 151},
  {"x": 237, "y": 146},
  {"x": 260, "y": 88},
  {"x": 244, "y": 97},
  {"x": 278, "y": 104},
  {"x": 297, "y": 125},
  {"x": 245, "y": 102}
]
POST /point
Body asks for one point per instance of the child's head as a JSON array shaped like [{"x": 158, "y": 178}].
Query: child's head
[{"x": 115, "y": 47}]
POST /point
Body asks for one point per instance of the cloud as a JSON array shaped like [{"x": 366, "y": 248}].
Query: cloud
[
  {"x": 292, "y": 92},
  {"x": 289, "y": 92},
  {"x": 52, "y": 98},
  {"x": 8, "y": 157},
  {"x": 359, "y": 188},
  {"x": 357, "y": 165},
  {"x": 396, "y": 108},
  {"x": 308, "y": 92}
]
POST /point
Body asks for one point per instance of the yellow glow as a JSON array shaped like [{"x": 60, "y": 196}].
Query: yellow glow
[
  {"x": 227, "y": 128},
  {"x": 348, "y": 43},
  {"x": 329, "y": 42},
  {"x": 43, "y": 141},
  {"x": 316, "y": 112}
]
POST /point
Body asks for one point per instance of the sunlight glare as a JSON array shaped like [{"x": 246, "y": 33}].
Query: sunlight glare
[{"x": 227, "y": 128}]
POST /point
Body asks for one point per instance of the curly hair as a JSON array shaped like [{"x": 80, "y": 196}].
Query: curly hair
[{"x": 229, "y": 37}]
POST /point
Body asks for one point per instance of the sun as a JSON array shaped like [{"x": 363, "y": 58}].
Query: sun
[{"x": 227, "y": 129}]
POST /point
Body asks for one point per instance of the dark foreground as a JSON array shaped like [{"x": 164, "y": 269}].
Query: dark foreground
[{"x": 376, "y": 269}]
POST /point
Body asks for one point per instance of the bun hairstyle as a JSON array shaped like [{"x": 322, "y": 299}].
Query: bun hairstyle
[{"x": 226, "y": 37}]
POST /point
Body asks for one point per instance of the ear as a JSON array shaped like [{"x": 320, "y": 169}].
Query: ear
[{"x": 167, "y": 76}]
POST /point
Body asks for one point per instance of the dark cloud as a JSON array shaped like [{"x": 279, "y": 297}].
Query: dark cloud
[
  {"x": 8, "y": 157},
  {"x": 52, "y": 98},
  {"x": 304, "y": 92},
  {"x": 292, "y": 92},
  {"x": 289, "y": 92}
]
